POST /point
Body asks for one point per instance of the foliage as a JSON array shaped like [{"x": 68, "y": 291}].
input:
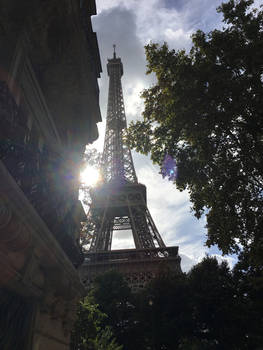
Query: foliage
[
  {"x": 92, "y": 157},
  {"x": 200, "y": 310},
  {"x": 114, "y": 298},
  {"x": 164, "y": 312},
  {"x": 206, "y": 112},
  {"x": 249, "y": 285},
  {"x": 216, "y": 307},
  {"x": 104, "y": 340},
  {"x": 211, "y": 308},
  {"x": 204, "y": 309},
  {"x": 89, "y": 332}
]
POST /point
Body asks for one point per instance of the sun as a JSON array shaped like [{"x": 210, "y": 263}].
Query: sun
[{"x": 89, "y": 176}]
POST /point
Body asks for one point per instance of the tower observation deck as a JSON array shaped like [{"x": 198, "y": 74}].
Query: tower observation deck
[{"x": 119, "y": 203}]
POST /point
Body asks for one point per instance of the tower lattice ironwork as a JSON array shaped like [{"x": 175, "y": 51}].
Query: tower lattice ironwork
[{"x": 120, "y": 202}]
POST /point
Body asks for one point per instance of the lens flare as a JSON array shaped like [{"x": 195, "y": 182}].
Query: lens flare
[
  {"x": 169, "y": 168},
  {"x": 89, "y": 176}
]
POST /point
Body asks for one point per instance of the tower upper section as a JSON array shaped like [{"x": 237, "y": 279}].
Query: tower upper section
[
  {"x": 114, "y": 65},
  {"x": 117, "y": 164}
]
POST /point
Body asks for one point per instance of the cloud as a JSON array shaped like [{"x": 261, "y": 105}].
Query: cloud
[
  {"x": 171, "y": 34},
  {"x": 231, "y": 260},
  {"x": 122, "y": 24},
  {"x": 152, "y": 18},
  {"x": 134, "y": 105},
  {"x": 186, "y": 263}
]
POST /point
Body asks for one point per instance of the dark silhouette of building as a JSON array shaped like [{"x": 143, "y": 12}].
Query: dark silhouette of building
[
  {"x": 49, "y": 107},
  {"x": 120, "y": 204}
]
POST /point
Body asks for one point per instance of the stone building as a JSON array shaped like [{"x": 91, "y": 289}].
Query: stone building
[{"x": 49, "y": 107}]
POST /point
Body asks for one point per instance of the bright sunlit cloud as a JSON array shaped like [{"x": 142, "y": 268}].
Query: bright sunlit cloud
[{"x": 89, "y": 176}]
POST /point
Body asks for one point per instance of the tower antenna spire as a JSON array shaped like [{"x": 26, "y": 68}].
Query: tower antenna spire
[{"x": 114, "y": 50}]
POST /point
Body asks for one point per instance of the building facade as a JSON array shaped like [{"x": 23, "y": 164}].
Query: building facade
[{"x": 49, "y": 108}]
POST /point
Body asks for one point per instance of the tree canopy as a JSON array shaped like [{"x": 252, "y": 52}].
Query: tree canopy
[
  {"x": 206, "y": 112},
  {"x": 210, "y": 307}
]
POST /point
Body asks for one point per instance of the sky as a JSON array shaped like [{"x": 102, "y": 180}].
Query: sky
[{"x": 131, "y": 24}]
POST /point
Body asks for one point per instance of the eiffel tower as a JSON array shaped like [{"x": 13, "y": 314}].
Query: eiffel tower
[{"x": 120, "y": 204}]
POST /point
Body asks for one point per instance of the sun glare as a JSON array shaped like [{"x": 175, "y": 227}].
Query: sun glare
[{"x": 89, "y": 176}]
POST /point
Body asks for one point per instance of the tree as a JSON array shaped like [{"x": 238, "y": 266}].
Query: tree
[
  {"x": 164, "y": 312},
  {"x": 217, "y": 311},
  {"x": 249, "y": 287},
  {"x": 114, "y": 297},
  {"x": 89, "y": 333},
  {"x": 211, "y": 307},
  {"x": 206, "y": 112},
  {"x": 206, "y": 309}
]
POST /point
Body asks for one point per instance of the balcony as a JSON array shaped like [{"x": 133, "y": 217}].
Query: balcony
[{"x": 131, "y": 255}]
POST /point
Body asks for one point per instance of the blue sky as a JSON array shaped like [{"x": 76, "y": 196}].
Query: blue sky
[{"x": 131, "y": 25}]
